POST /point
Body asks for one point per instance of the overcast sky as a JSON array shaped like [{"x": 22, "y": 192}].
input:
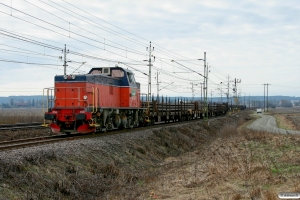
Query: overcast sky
[{"x": 254, "y": 41}]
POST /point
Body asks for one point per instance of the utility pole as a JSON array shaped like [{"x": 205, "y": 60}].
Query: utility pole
[
  {"x": 249, "y": 102},
  {"x": 264, "y": 97},
  {"x": 157, "y": 83},
  {"x": 235, "y": 91},
  {"x": 267, "y": 96},
  {"x": 211, "y": 93},
  {"x": 65, "y": 52},
  {"x": 221, "y": 94},
  {"x": 228, "y": 90},
  {"x": 201, "y": 92},
  {"x": 205, "y": 86},
  {"x": 149, "y": 75},
  {"x": 192, "y": 91}
]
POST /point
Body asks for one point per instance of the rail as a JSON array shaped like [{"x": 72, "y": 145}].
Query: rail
[{"x": 15, "y": 144}]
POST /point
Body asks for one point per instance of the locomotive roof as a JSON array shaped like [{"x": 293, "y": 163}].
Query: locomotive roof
[
  {"x": 111, "y": 68},
  {"x": 113, "y": 75}
]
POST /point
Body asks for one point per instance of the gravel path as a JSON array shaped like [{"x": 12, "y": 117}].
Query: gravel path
[{"x": 268, "y": 123}]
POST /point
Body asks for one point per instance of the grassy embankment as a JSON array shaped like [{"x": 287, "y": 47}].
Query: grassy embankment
[{"x": 220, "y": 161}]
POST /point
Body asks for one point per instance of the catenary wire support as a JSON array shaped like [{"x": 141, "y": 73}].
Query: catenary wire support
[
  {"x": 65, "y": 52},
  {"x": 151, "y": 49}
]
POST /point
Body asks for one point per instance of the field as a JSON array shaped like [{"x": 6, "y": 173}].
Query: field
[
  {"x": 222, "y": 160},
  {"x": 287, "y": 118},
  {"x": 20, "y": 115}
]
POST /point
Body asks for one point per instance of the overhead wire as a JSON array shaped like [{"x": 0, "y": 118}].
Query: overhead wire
[
  {"x": 28, "y": 51},
  {"x": 41, "y": 64},
  {"x": 44, "y": 21},
  {"x": 63, "y": 7},
  {"x": 75, "y": 53},
  {"x": 50, "y": 46},
  {"x": 9, "y": 52},
  {"x": 163, "y": 72},
  {"x": 51, "y": 24},
  {"x": 119, "y": 28},
  {"x": 60, "y": 33},
  {"x": 6, "y": 33},
  {"x": 108, "y": 60},
  {"x": 127, "y": 49},
  {"x": 101, "y": 20}
]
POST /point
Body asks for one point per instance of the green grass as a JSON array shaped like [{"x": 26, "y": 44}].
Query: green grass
[{"x": 286, "y": 168}]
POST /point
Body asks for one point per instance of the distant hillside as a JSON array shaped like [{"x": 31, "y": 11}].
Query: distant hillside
[
  {"x": 214, "y": 99},
  {"x": 24, "y": 98}
]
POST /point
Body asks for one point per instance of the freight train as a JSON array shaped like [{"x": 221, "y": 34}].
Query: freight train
[{"x": 110, "y": 98}]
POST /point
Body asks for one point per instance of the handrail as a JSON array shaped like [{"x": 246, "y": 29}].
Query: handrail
[
  {"x": 43, "y": 104},
  {"x": 48, "y": 99},
  {"x": 93, "y": 100},
  {"x": 78, "y": 96},
  {"x": 97, "y": 97}
]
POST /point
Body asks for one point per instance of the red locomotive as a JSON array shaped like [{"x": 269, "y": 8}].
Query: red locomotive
[{"x": 104, "y": 98}]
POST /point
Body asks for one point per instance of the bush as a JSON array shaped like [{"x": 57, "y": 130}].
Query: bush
[{"x": 286, "y": 103}]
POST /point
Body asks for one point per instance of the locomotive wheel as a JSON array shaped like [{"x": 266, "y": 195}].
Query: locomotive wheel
[
  {"x": 121, "y": 127},
  {"x": 152, "y": 121}
]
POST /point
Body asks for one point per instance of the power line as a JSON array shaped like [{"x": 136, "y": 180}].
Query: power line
[
  {"x": 118, "y": 28},
  {"x": 61, "y": 28},
  {"x": 13, "y": 61},
  {"x": 144, "y": 44},
  {"x": 50, "y": 46},
  {"x": 75, "y": 53},
  {"x": 61, "y": 33},
  {"x": 133, "y": 51},
  {"x": 111, "y": 31},
  {"x": 16, "y": 53},
  {"x": 58, "y": 27},
  {"x": 108, "y": 60},
  {"x": 28, "y": 40},
  {"x": 31, "y": 52}
]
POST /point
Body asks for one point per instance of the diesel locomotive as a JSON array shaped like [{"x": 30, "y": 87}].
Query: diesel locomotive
[{"x": 104, "y": 98}]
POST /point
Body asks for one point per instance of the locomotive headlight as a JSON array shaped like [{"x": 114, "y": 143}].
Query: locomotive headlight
[
  {"x": 65, "y": 76},
  {"x": 73, "y": 76},
  {"x": 85, "y": 97}
]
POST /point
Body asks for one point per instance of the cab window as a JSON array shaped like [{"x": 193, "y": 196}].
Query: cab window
[
  {"x": 117, "y": 73},
  {"x": 131, "y": 77}
]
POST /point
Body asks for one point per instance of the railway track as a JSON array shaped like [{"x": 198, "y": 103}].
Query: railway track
[
  {"x": 36, "y": 141},
  {"x": 22, "y": 143},
  {"x": 21, "y": 126}
]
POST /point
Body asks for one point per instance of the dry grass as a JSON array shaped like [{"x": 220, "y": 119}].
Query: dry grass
[
  {"x": 294, "y": 119},
  {"x": 287, "y": 118},
  {"x": 235, "y": 165},
  {"x": 13, "y": 115},
  {"x": 285, "y": 121},
  {"x": 219, "y": 161}
]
